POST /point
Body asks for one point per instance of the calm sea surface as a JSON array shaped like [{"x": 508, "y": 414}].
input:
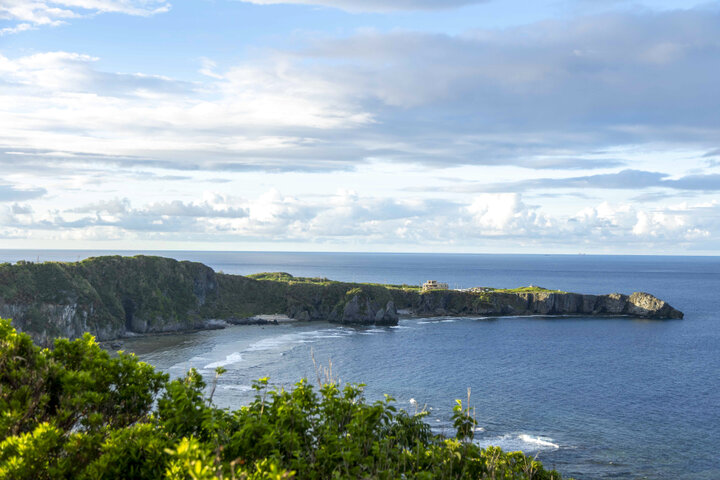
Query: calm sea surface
[{"x": 594, "y": 398}]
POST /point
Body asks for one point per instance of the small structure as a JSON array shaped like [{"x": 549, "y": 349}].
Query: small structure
[
  {"x": 434, "y": 285},
  {"x": 481, "y": 289}
]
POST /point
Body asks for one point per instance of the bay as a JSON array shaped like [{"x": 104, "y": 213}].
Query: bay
[{"x": 593, "y": 397}]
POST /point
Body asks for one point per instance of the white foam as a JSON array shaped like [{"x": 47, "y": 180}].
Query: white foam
[
  {"x": 273, "y": 343},
  {"x": 229, "y": 360},
  {"x": 523, "y": 442},
  {"x": 239, "y": 388},
  {"x": 539, "y": 441}
]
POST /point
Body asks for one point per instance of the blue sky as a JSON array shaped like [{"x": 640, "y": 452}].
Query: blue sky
[{"x": 345, "y": 125}]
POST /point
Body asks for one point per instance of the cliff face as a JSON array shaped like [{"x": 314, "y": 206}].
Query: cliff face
[
  {"x": 304, "y": 300},
  {"x": 106, "y": 296},
  {"x": 542, "y": 303},
  {"x": 113, "y": 296},
  {"x": 151, "y": 294}
]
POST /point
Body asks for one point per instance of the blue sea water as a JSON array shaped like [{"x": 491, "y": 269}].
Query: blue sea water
[{"x": 594, "y": 398}]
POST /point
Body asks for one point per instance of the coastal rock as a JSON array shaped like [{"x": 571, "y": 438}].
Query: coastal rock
[
  {"x": 643, "y": 304},
  {"x": 540, "y": 303},
  {"x": 389, "y": 315},
  {"x": 113, "y": 297},
  {"x": 46, "y": 322},
  {"x": 588, "y": 303},
  {"x": 448, "y": 302},
  {"x": 359, "y": 311},
  {"x": 255, "y": 320},
  {"x": 612, "y": 304},
  {"x": 568, "y": 303}
]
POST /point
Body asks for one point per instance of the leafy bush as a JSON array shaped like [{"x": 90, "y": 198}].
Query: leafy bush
[{"x": 77, "y": 412}]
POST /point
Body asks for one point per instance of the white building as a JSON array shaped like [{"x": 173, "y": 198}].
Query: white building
[{"x": 434, "y": 285}]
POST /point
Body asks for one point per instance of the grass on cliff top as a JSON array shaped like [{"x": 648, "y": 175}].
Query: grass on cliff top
[
  {"x": 49, "y": 282},
  {"x": 528, "y": 289},
  {"x": 288, "y": 278}
]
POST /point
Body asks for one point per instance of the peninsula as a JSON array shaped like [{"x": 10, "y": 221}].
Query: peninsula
[{"x": 113, "y": 296}]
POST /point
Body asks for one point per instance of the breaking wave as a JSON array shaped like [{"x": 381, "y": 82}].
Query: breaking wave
[
  {"x": 229, "y": 360},
  {"x": 523, "y": 442}
]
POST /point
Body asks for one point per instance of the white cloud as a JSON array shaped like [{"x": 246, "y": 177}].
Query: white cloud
[
  {"x": 18, "y": 192},
  {"x": 547, "y": 95},
  {"x": 497, "y": 221},
  {"x": 504, "y": 214},
  {"x": 27, "y": 14},
  {"x": 578, "y": 94},
  {"x": 248, "y": 116},
  {"x": 374, "y": 5},
  {"x": 20, "y": 27},
  {"x": 551, "y": 95},
  {"x": 623, "y": 223}
]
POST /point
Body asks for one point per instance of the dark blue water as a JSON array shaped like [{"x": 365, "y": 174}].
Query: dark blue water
[{"x": 595, "y": 398}]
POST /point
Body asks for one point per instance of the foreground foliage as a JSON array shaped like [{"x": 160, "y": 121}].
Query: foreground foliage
[{"x": 76, "y": 412}]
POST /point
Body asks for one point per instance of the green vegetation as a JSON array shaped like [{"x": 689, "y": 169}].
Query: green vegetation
[
  {"x": 75, "y": 412},
  {"x": 287, "y": 278},
  {"x": 106, "y": 295},
  {"x": 40, "y": 286},
  {"x": 299, "y": 297},
  {"x": 111, "y": 296},
  {"x": 149, "y": 290},
  {"x": 528, "y": 289}
]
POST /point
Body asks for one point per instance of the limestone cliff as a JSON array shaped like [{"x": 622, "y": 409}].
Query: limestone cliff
[
  {"x": 449, "y": 302},
  {"x": 106, "y": 296},
  {"x": 114, "y": 296},
  {"x": 365, "y": 310}
]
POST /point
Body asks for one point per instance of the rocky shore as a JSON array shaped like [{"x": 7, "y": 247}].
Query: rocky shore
[
  {"x": 112, "y": 297},
  {"x": 448, "y": 302}
]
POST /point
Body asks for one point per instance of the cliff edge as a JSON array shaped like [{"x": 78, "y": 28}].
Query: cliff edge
[
  {"x": 501, "y": 302},
  {"x": 114, "y": 296}
]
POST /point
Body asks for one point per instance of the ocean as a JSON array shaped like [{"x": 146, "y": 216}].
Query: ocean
[{"x": 595, "y": 398}]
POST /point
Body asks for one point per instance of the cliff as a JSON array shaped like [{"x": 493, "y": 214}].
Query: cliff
[
  {"x": 541, "y": 302},
  {"x": 114, "y": 296},
  {"x": 106, "y": 296}
]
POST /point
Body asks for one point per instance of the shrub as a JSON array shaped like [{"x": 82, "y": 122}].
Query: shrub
[{"x": 76, "y": 412}]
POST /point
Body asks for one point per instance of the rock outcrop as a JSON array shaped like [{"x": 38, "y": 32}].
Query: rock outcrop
[
  {"x": 543, "y": 303},
  {"x": 113, "y": 296},
  {"x": 363, "y": 310},
  {"x": 109, "y": 297}
]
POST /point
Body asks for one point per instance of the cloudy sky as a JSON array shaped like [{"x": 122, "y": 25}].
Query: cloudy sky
[{"x": 544, "y": 126}]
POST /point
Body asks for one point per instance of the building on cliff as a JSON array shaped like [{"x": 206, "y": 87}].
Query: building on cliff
[
  {"x": 480, "y": 289},
  {"x": 434, "y": 285}
]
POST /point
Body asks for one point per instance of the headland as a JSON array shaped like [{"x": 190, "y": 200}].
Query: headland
[{"x": 114, "y": 296}]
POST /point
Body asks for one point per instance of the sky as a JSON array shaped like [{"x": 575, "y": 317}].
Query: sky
[{"x": 478, "y": 126}]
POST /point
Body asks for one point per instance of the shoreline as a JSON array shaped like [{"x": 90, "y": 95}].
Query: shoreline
[
  {"x": 113, "y": 297},
  {"x": 280, "y": 319}
]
